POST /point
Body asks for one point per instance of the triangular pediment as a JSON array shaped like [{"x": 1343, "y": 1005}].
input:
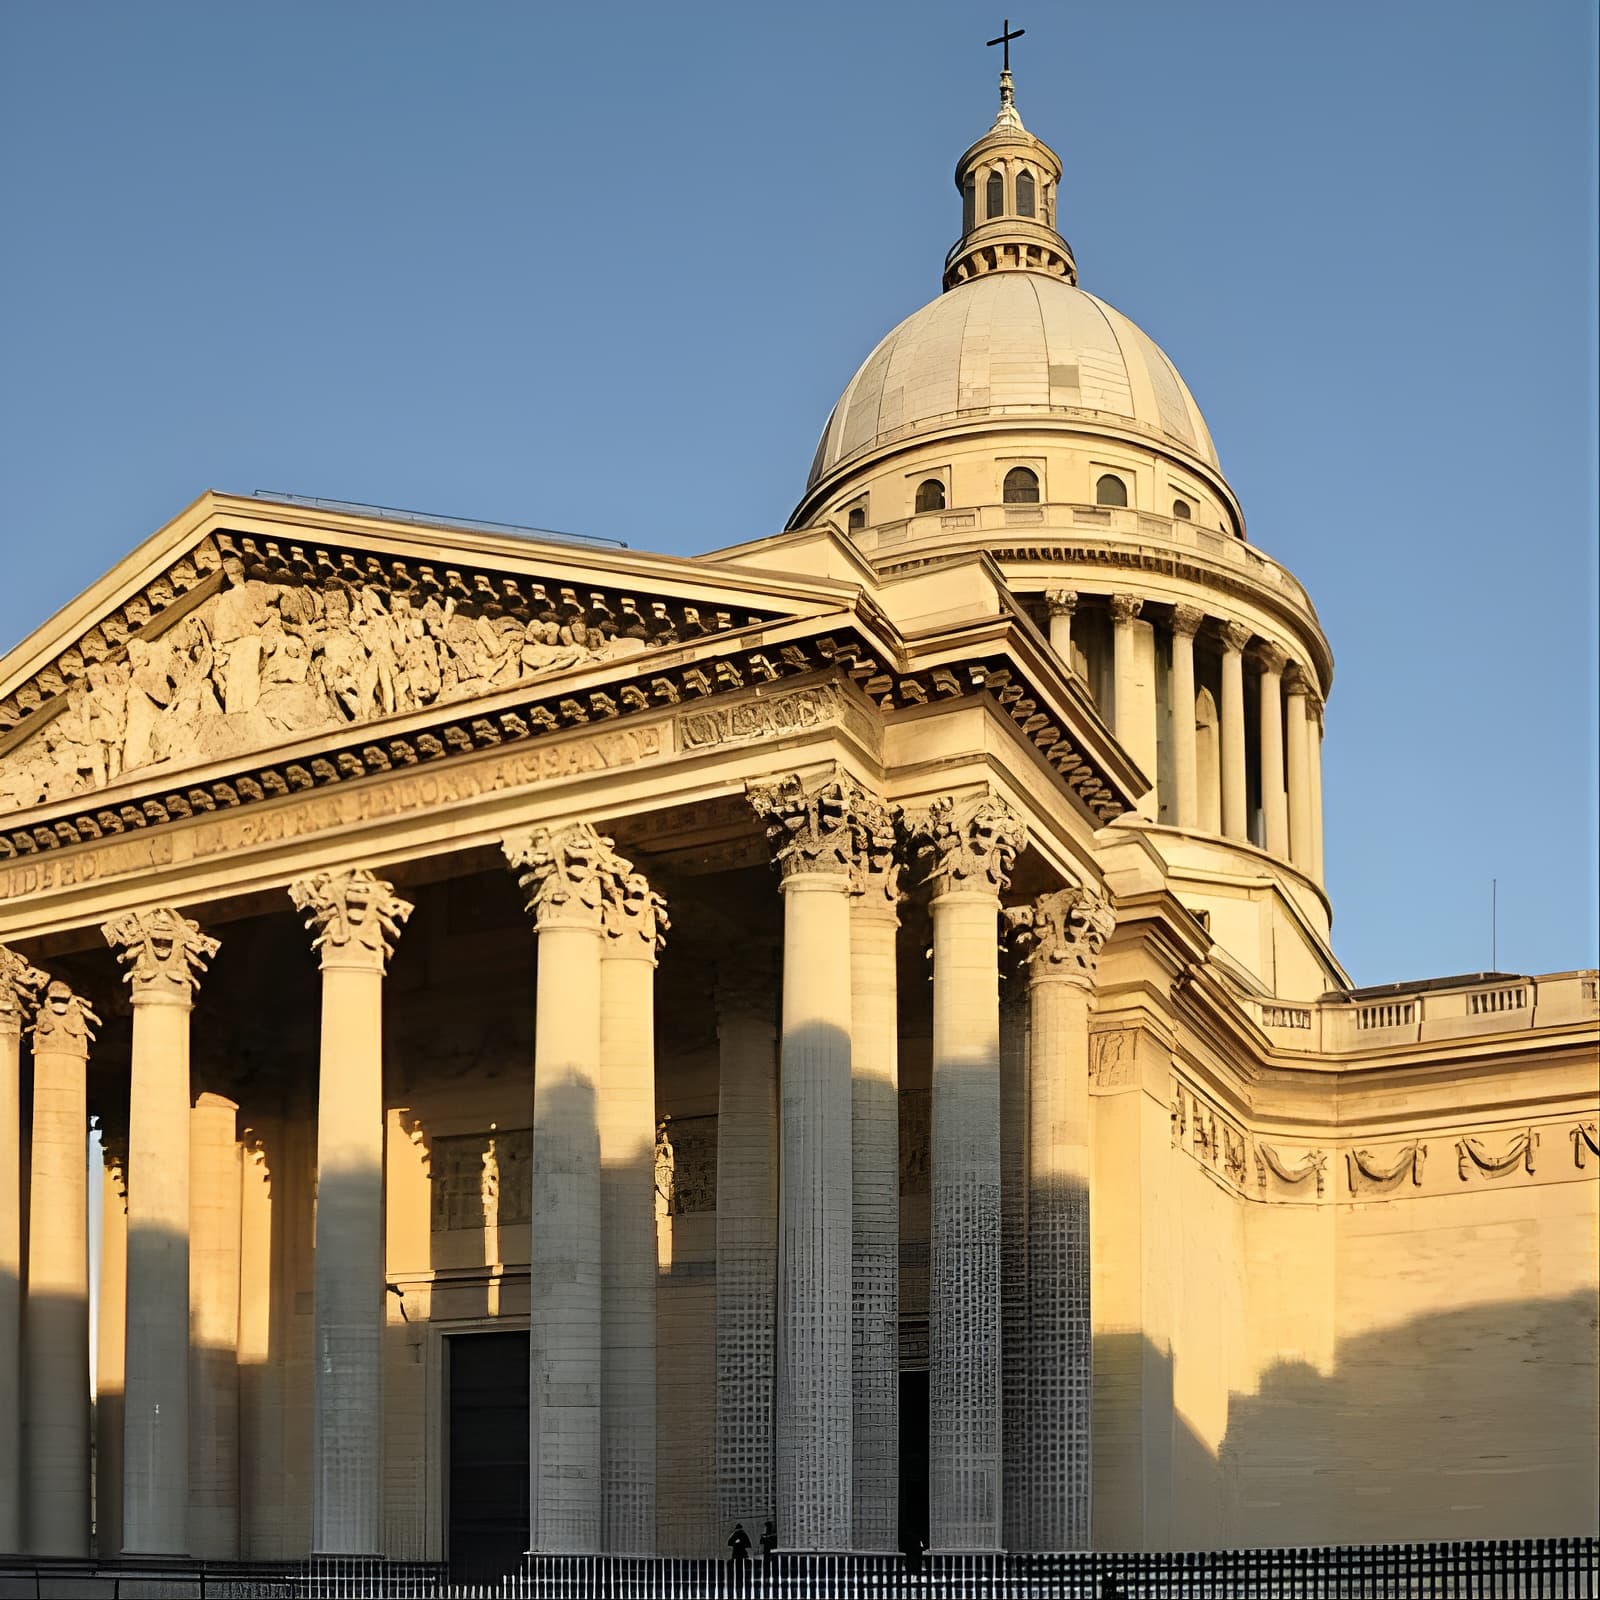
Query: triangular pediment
[{"x": 248, "y": 626}]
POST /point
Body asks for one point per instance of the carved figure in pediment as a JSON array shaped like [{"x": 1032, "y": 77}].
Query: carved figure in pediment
[
  {"x": 289, "y": 698},
  {"x": 150, "y": 688},
  {"x": 106, "y": 705},
  {"x": 237, "y": 622}
]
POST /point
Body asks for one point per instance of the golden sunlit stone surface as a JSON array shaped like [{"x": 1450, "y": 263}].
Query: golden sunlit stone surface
[{"x": 1180, "y": 1240}]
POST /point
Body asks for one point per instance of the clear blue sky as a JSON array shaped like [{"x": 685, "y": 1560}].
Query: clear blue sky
[{"x": 607, "y": 268}]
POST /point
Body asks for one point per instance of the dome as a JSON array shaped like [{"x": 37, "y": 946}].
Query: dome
[{"x": 1012, "y": 344}]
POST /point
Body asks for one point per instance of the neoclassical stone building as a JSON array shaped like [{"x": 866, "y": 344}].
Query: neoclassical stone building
[{"x": 841, "y": 1030}]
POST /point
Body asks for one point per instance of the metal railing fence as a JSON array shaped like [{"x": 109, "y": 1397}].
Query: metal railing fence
[{"x": 1515, "y": 1569}]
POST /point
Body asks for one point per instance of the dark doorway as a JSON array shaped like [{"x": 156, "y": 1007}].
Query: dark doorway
[
  {"x": 913, "y": 1460},
  {"x": 488, "y": 1454}
]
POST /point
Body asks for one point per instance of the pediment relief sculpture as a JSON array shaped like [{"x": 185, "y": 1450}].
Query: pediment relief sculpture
[{"x": 260, "y": 663}]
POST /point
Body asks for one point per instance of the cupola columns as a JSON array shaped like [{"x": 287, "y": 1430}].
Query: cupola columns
[{"x": 1007, "y": 182}]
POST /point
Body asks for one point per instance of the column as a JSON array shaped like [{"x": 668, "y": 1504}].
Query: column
[
  {"x": 747, "y": 1244},
  {"x": 19, "y": 986},
  {"x": 1302, "y": 846},
  {"x": 56, "y": 1371},
  {"x": 815, "y": 831},
  {"x": 1314, "y": 706},
  {"x": 1133, "y": 664},
  {"x": 110, "y": 1356},
  {"x": 164, "y": 954},
  {"x": 1014, "y": 1424},
  {"x": 1186, "y": 622},
  {"x": 214, "y": 1197},
  {"x": 1235, "y": 817},
  {"x": 355, "y": 918},
  {"x": 1062, "y": 934},
  {"x": 1274, "y": 798},
  {"x": 972, "y": 844},
  {"x": 875, "y": 1188},
  {"x": 635, "y": 926},
  {"x": 1061, "y": 603},
  {"x": 565, "y": 872}
]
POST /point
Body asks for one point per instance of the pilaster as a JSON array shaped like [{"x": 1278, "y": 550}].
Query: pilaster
[
  {"x": 214, "y": 1196},
  {"x": 747, "y": 1244}
]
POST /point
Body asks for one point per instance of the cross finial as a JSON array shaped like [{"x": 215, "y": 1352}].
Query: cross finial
[{"x": 1006, "y": 36}]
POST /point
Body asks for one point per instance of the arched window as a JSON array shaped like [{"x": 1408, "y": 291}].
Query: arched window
[
  {"x": 930, "y": 495},
  {"x": 1110, "y": 490},
  {"x": 857, "y": 519},
  {"x": 1181, "y": 510},
  {"x": 1021, "y": 487},
  {"x": 1024, "y": 194},
  {"x": 997, "y": 194},
  {"x": 969, "y": 204}
]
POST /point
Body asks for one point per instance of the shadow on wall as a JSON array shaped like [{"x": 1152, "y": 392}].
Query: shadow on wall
[{"x": 1477, "y": 1423}]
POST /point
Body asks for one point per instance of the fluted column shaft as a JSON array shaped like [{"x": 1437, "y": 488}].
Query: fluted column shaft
[
  {"x": 814, "y": 1217},
  {"x": 1235, "y": 813},
  {"x": 1062, "y": 934},
  {"x": 19, "y": 983},
  {"x": 355, "y": 919},
  {"x": 1302, "y": 845},
  {"x": 1314, "y": 752},
  {"x": 627, "y": 1124},
  {"x": 875, "y": 1183},
  {"x": 57, "y": 1365},
  {"x": 110, "y": 1363},
  {"x": 747, "y": 1249},
  {"x": 164, "y": 954},
  {"x": 1135, "y": 692},
  {"x": 1062, "y": 604},
  {"x": 1014, "y": 1343},
  {"x": 214, "y": 1328},
  {"x": 1186, "y": 621},
  {"x": 1274, "y": 796},
  {"x": 567, "y": 874},
  {"x": 973, "y": 845}
]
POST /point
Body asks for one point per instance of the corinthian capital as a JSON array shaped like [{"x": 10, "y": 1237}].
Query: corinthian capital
[
  {"x": 1297, "y": 680},
  {"x": 355, "y": 916},
  {"x": 565, "y": 872},
  {"x": 1125, "y": 607},
  {"x": 811, "y": 829},
  {"x": 971, "y": 844},
  {"x": 63, "y": 1022},
  {"x": 1271, "y": 657},
  {"x": 1061, "y": 602},
  {"x": 1235, "y": 636},
  {"x": 163, "y": 952},
  {"x": 874, "y": 867},
  {"x": 1186, "y": 620},
  {"x": 1061, "y": 934},
  {"x": 19, "y": 990},
  {"x": 636, "y": 921}
]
